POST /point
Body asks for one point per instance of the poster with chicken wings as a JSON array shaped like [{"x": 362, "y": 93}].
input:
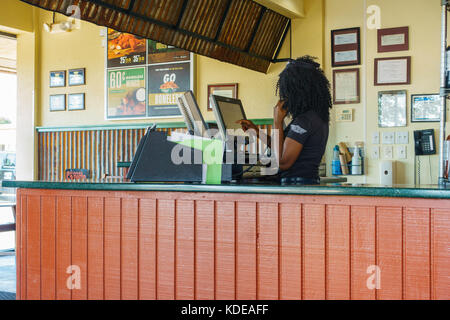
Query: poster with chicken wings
[{"x": 125, "y": 49}]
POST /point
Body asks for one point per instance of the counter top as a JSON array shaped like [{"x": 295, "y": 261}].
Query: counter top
[{"x": 336, "y": 189}]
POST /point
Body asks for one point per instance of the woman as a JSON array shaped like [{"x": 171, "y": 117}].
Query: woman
[{"x": 304, "y": 93}]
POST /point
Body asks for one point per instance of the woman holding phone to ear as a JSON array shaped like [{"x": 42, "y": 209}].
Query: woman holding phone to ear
[{"x": 304, "y": 93}]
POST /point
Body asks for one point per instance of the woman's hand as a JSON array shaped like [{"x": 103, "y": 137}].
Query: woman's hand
[
  {"x": 247, "y": 124},
  {"x": 279, "y": 113}
]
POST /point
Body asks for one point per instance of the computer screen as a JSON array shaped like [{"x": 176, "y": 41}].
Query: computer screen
[
  {"x": 192, "y": 114},
  {"x": 227, "y": 112}
]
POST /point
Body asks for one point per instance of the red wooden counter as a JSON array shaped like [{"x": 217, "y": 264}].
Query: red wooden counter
[{"x": 144, "y": 241}]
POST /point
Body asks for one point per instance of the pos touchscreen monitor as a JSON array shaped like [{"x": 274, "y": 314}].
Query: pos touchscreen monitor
[
  {"x": 227, "y": 112},
  {"x": 192, "y": 115}
]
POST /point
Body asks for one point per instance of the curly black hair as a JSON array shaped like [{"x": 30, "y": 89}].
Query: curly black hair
[{"x": 303, "y": 86}]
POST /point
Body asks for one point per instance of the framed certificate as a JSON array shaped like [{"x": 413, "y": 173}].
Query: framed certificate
[
  {"x": 77, "y": 77},
  {"x": 57, "y": 79},
  {"x": 392, "y": 109},
  {"x": 57, "y": 102},
  {"x": 76, "y": 101},
  {"x": 345, "y": 47},
  {"x": 346, "y": 88},
  {"x": 229, "y": 90},
  {"x": 426, "y": 108},
  {"x": 393, "y": 39},
  {"x": 392, "y": 71}
]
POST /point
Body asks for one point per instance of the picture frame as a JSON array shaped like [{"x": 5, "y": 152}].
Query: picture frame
[
  {"x": 346, "y": 86},
  {"x": 393, "y": 39},
  {"x": 228, "y": 90},
  {"x": 76, "y": 101},
  {"x": 426, "y": 108},
  {"x": 392, "y": 109},
  {"x": 346, "y": 47},
  {"x": 57, "y": 79},
  {"x": 57, "y": 102},
  {"x": 77, "y": 77},
  {"x": 392, "y": 71}
]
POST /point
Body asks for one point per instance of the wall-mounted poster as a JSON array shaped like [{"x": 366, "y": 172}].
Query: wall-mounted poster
[
  {"x": 161, "y": 53},
  {"x": 125, "y": 49},
  {"x": 166, "y": 83},
  {"x": 126, "y": 93}
]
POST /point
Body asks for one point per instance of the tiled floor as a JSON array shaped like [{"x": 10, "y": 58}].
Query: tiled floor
[
  {"x": 7, "y": 274},
  {"x": 7, "y": 262}
]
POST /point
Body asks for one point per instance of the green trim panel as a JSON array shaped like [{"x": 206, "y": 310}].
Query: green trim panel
[
  {"x": 424, "y": 192},
  {"x": 162, "y": 125}
]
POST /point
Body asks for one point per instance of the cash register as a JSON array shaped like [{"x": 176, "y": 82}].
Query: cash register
[{"x": 153, "y": 161}]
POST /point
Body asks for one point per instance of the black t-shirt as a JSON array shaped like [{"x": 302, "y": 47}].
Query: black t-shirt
[{"x": 312, "y": 132}]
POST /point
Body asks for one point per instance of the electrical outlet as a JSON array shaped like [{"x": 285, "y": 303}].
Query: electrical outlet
[
  {"x": 375, "y": 138},
  {"x": 388, "y": 152},
  {"x": 401, "y": 152},
  {"x": 104, "y": 43},
  {"x": 388, "y": 137},
  {"x": 375, "y": 153},
  {"x": 402, "y": 137},
  {"x": 103, "y": 32}
]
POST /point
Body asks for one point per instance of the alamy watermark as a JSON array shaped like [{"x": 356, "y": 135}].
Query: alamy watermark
[
  {"x": 250, "y": 148},
  {"x": 374, "y": 280}
]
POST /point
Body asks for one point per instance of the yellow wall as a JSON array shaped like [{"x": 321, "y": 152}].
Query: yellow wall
[
  {"x": 423, "y": 19},
  {"x": 83, "y": 48},
  {"x": 15, "y": 16},
  {"x": 18, "y": 18},
  {"x": 311, "y": 35}
]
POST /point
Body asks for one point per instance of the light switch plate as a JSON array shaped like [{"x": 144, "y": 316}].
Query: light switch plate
[
  {"x": 401, "y": 152},
  {"x": 375, "y": 138},
  {"x": 388, "y": 152},
  {"x": 402, "y": 137},
  {"x": 375, "y": 153},
  {"x": 388, "y": 137}
]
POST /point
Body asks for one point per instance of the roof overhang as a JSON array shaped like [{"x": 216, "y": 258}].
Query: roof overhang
[{"x": 241, "y": 32}]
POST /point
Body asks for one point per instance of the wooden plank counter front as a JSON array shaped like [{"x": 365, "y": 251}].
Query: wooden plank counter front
[{"x": 226, "y": 245}]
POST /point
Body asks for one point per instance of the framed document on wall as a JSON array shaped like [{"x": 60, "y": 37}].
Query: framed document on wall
[
  {"x": 76, "y": 101},
  {"x": 57, "y": 79},
  {"x": 346, "y": 89},
  {"x": 425, "y": 108},
  {"x": 392, "y": 71},
  {"x": 392, "y": 109},
  {"x": 345, "y": 47},
  {"x": 228, "y": 90},
  {"x": 77, "y": 77},
  {"x": 393, "y": 39},
  {"x": 57, "y": 102}
]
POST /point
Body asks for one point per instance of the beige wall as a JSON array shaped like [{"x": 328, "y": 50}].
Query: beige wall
[
  {"x": 43, "y": 52},
  {"x": 19, "y": 19},
  {"x": 83, "y": 48},
  {"x": 423, "y": 19}
]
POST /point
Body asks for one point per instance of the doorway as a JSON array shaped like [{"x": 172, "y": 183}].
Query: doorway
[{"x": 8, "y": 114}]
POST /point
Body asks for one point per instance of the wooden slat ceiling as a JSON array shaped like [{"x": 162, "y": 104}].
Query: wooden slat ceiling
[{"x": 241, "y": 32}]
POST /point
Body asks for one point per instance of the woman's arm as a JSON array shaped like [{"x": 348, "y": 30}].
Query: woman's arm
[{"x": 288, "y": 148}]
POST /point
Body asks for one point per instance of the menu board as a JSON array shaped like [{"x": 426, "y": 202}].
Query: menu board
[
  {"x": 161, "y": 53},
  {"x": 125, "y": 49},
  {"x": 144, "y": 77},
  {"x": 166, "y": 83},
  {"x": 126, "y": 93}
]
